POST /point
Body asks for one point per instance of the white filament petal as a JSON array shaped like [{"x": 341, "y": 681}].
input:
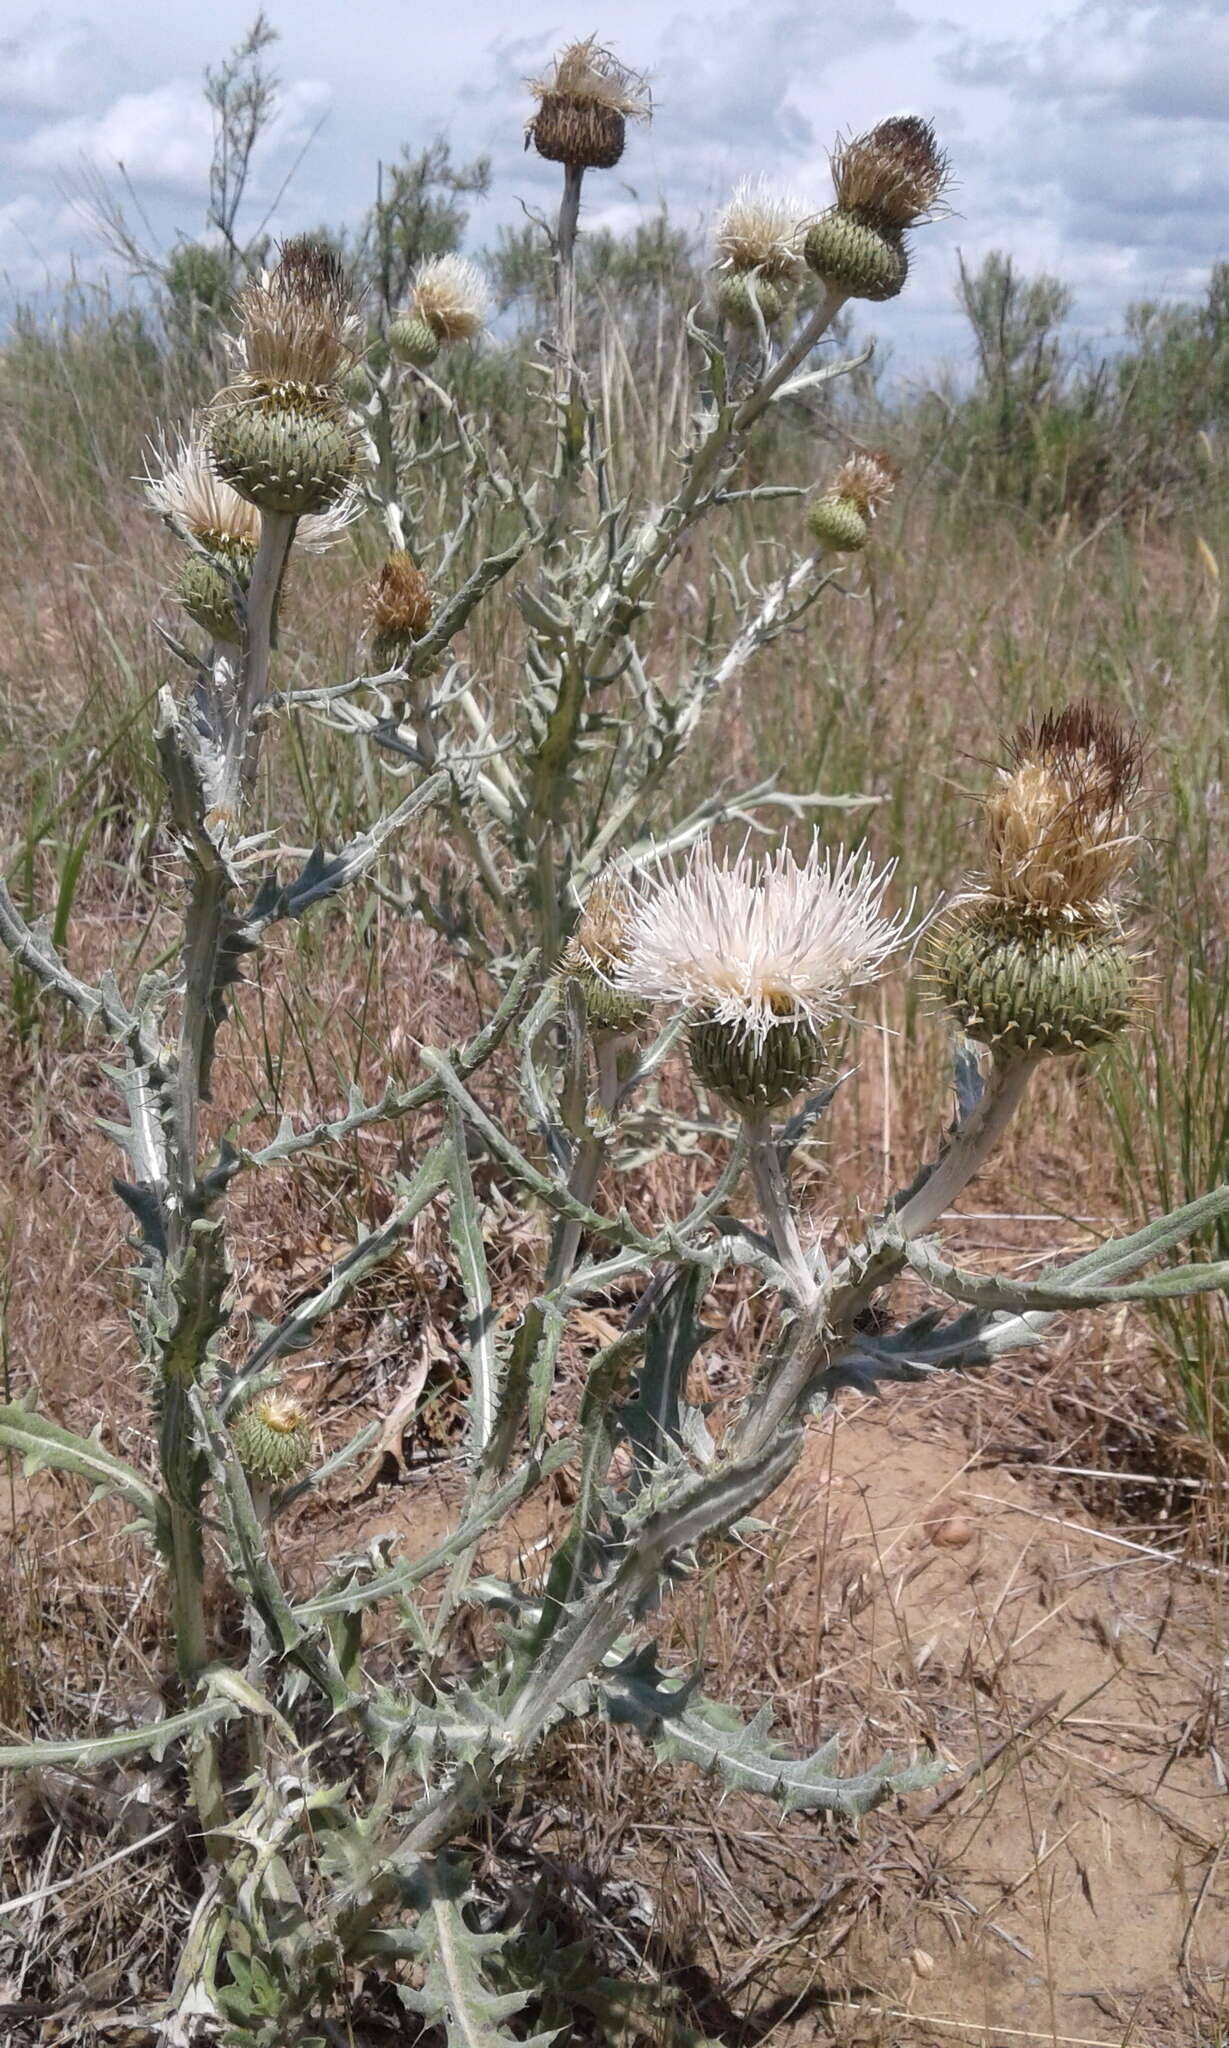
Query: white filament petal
[{"x": 753, "y": 943}]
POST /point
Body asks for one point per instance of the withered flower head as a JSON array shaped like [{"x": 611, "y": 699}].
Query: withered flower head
[
  {"x": 867, "y": 478},
  {"x": 840, "y": 517},
  {"x": 400, "y": 599},
  {"x": 584, "y": 105},
  {"x": 894, "y": 176},
  {"x": 1058, "y": 825},
  {"x": 598, "y": 948},
  {"x": 758, "y": 230},
  {"x": 299, "y": 328}
]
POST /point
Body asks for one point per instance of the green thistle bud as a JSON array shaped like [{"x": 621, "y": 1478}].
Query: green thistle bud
[
  {"x": 859, "y": 258},
  {"x": 1027, "y": 984},
  {"x": 836, "y": 523},
  {"x": 755, "y": 1074},
  {"x": 738, "y": 293},
  {"x": 413, "y": 341},
  {"x": 291, "y": 456},
  {"x": 206, "y": 590},
  {"x": 272, "y": 1438}
]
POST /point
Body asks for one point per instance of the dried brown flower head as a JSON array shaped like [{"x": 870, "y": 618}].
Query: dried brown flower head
[
  {"x": 299, "y": 329},
  {"x": 1058, "y": 825},
  {"x": 868, "y": 478},
  {"x": 400, "y": 600},
  {"x": 894, "y": 176},
  {"x": 584, "y": 105}
]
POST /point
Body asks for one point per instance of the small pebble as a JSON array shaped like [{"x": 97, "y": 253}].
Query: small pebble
[{"x": 952, "y": 1532}]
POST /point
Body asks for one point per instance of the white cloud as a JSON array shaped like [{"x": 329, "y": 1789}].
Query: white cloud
[
  {"x": 164, "y": 138},
  {"x": 49, "y": 67}
]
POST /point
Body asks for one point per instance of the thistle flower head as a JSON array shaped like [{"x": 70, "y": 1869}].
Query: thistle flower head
[
  {"x": 895, "y": 176},
  {"x": 598, "y": 948},
  {"x": 867, "y": 479},
  {"x": 182, "y": 485},
  {"x": 751, "y": 945},
  {"x": 399, "y": 602},
  {"x": 272, "y": 1437},
  {"x": 450, "y": 296},
  {"x": 299, "y": 329},
  {"x": 584, "y": 105},
  {"x": 758, "y": 230},
  {"x": 1057, "y": 823}
]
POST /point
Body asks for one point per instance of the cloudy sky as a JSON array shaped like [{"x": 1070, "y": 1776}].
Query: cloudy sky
[{"x": 1089, "y": 137}]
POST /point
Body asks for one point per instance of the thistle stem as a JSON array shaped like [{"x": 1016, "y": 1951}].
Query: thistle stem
[
  {"x": 777, "y": 1211},
  {"x": 847, "y": 1291}
]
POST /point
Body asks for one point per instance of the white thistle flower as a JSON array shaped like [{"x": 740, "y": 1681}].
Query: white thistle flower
[
  {"x": 450, "y": 294},
  {"x": 181, "y": 484},
  {"x": 750, "y": 945},
  {"x": 758, "y": 230}
]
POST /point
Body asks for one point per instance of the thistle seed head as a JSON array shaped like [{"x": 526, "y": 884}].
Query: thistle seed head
[
  {"x": 894, "y": 177},
  {"x": 753, "y": 945},
  {"x": 272, "y": 1437},
  {"x": 299, "y": 330},
  {"x": 450, "y": 296},
  {"x": 1057, "y": 823},
  {"x": 400, "y": 599},
  {"x": 598, "y": 948},
  {"x": 584, "y": 105},
  {"x": 758, "y": 230}
]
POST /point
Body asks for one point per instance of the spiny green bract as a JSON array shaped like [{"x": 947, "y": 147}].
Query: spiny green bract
[
  {"x": 854, "y": 257},
  {"x": 284, "y": 458},
  {"x": 1030, "y": 986}
]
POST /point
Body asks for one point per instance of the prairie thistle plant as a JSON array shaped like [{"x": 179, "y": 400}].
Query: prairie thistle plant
[{"x": 336, "y": 1775}]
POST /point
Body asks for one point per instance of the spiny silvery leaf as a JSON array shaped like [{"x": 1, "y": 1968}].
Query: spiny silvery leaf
[
  {"x": 744, "y": 1755},
  {"x": 927, "y": 1345},
  {"x": 1053, "y": 1292},
  {"x": 153, "y": 1739},
  {"x": 455, "y": 1994},
  {"x": 141, "y": 1199},
  {"x": 654, "y": 1419},
  {"x": 45, "y": 1446}
]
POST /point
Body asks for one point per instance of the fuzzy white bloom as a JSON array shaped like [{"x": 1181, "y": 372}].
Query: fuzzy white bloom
[
  {"x": 758, "y": 230},
  {"x": 181, "y": 484},
  {"x": 753, "y": 943},
  {"x": 452, "y": 296}
]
